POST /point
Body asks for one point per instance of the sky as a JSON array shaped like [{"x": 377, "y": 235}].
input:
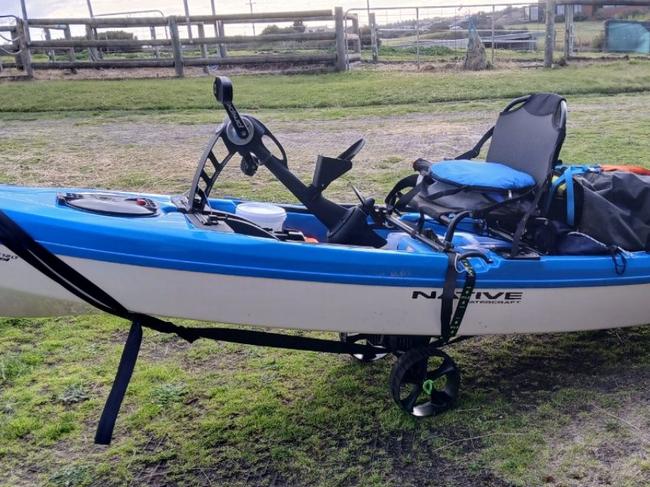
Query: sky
[{"x": 78, "y": 8}]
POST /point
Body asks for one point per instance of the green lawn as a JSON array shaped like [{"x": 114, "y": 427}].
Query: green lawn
[
  {"x": 356, "y": 89},
  {"x": 552, "y": 410}
]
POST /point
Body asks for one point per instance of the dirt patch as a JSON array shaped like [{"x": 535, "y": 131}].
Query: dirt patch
[
  {"x": 160, "y": 157},
  {"x": 607, "y": 446}
]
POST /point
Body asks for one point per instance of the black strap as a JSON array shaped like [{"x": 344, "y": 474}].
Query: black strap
[
  {"x": 476, "y": 150},
  {"x": 451, "y": 320},
  {"x": 446, "y": 192},
  {"x": 24, "y": 246},
  {"x": 118, "y": 390}
]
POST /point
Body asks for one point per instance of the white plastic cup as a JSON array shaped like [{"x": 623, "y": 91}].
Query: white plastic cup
[
  {"x": 265, "y": 215},
  {"x": 393, "y": 239}
]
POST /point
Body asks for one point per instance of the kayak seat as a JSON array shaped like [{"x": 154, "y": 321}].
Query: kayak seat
[{"x": 505, "y": 189}]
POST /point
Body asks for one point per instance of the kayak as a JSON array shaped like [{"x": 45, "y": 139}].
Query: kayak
[
  {"x": 168, "y": 265},
  {"x": 472, "y": 248}
]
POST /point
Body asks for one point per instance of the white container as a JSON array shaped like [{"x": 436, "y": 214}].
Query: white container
[
  {"x": 265, "y": 215},
  {"x": 393, "y": 240}
]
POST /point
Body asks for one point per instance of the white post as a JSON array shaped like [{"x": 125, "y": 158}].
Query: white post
[
  {"x": 90, "y": 9},
  {"x": 50, "y": 52},
  {"x": 373, "y": 38},
  {"x": 493, "y": 15},
  {"x": 156, "y": 49},
  {"x": 91, "y": 33},
  {"x": 417, "y": 37},
  {"x": 250, "y": 4},
  {"x": 341, "y": 43},
  {"x": 368, "y": 9},
  {"x": 187, "y": 17},
  {"x": 23, "y": 7},
  {"x": 568, "y": 32},
  {"x": 550, "y": 34}
]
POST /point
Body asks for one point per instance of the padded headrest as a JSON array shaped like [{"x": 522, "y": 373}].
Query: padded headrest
[
  {"x": 529, "y": 134},
  {"x": 542, "y": 104}
]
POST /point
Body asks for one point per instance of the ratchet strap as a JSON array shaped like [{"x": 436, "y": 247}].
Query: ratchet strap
[
  {"x": 450, "y": 319},
  {"x": 24, "y": 246}
]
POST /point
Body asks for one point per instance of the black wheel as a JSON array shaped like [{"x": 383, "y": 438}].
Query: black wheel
[
  {"x": 363, "y": 339},
  {"x": 425, "y": 381}
]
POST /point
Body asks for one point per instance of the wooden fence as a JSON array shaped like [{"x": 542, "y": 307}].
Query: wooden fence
[{"x": 337, "y": 46}]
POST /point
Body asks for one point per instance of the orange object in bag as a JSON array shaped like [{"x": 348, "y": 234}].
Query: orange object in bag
[{"x": 633, "y": 169}]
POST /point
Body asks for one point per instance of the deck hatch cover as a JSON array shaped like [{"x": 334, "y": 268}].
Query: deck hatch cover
[{"x": 111, "y": 204}]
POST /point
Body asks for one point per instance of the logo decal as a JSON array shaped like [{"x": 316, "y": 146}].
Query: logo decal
[
  {"x": 480, "y": 297},
  {"x": 7, "y": 257}
]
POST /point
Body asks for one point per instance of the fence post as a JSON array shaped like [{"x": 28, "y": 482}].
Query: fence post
[
  {"x": 93, "y": 54},
  {"x": 341, "y": 47},
  {"x": 417, "y": 37},
  {"x": 568, "y": 31},
  {"x": 176, "y": 46},
  {"x": 492, "y": 28},
  {"x": 48, "y": 37},
  {"x": 203, "y": 47},
  {"x": 25, "y": 55},
  {"x": 355, "y": 30},
  {"x": 550, "y": 34},
  {"x": 373, "y": 37},
  {"x": 156, "y": 49},
  {"x": 71, "y": 56},
  {"x": 221, "y": 32},
  {"x": 15, "y": 46}
]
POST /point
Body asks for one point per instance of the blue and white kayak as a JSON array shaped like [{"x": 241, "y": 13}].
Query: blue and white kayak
[{"x": 168, "y": 265}]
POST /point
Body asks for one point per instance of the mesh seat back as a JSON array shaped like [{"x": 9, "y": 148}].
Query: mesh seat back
[{"x": 529, "y": 134}]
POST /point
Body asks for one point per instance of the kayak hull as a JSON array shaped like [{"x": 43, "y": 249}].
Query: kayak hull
[{"x": 309, "y": 305}]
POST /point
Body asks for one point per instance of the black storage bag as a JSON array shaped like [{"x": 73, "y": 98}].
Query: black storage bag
[{"x": 614, "y": 208}]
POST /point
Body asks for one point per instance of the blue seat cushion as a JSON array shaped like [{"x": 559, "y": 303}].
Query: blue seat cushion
[{"x": 481, "y": 175}]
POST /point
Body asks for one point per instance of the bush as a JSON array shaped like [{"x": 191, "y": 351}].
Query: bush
[
  {"x": 297, "y": 27},
  {"x": 424, "y": 51},
  {"x": 599, "y": 42},
  {"x": 272, "y": 29}
]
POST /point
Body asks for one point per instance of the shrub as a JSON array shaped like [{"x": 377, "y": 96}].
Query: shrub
[{"x": 599, "y": 42}]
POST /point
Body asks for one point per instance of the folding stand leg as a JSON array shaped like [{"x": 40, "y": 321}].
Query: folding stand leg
[{"x": 121, "y": 382}]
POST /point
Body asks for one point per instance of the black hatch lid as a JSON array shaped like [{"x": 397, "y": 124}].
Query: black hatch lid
[{"x": 112, "y": 204}]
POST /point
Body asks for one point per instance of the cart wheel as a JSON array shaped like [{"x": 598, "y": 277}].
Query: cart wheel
[
  {"x": 363, "y": 339},
  {"x": 425, "y": 381}
]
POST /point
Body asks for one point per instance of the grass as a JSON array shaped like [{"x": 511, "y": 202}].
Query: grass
[
  {"x": 570, "y": 409},
  {"x": 349, "y": 90},
  {"x": 237, "y": 415}
]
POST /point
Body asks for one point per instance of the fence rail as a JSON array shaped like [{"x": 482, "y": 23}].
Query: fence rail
[{"x": 328, "y": 42}]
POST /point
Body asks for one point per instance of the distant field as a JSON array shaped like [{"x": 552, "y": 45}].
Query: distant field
[
  {"x": 567, "y": 410},
  {"x": 356, "y": 89}
]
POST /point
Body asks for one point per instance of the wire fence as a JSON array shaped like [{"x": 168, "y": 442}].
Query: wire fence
[{"x": 512, "y": 32}]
